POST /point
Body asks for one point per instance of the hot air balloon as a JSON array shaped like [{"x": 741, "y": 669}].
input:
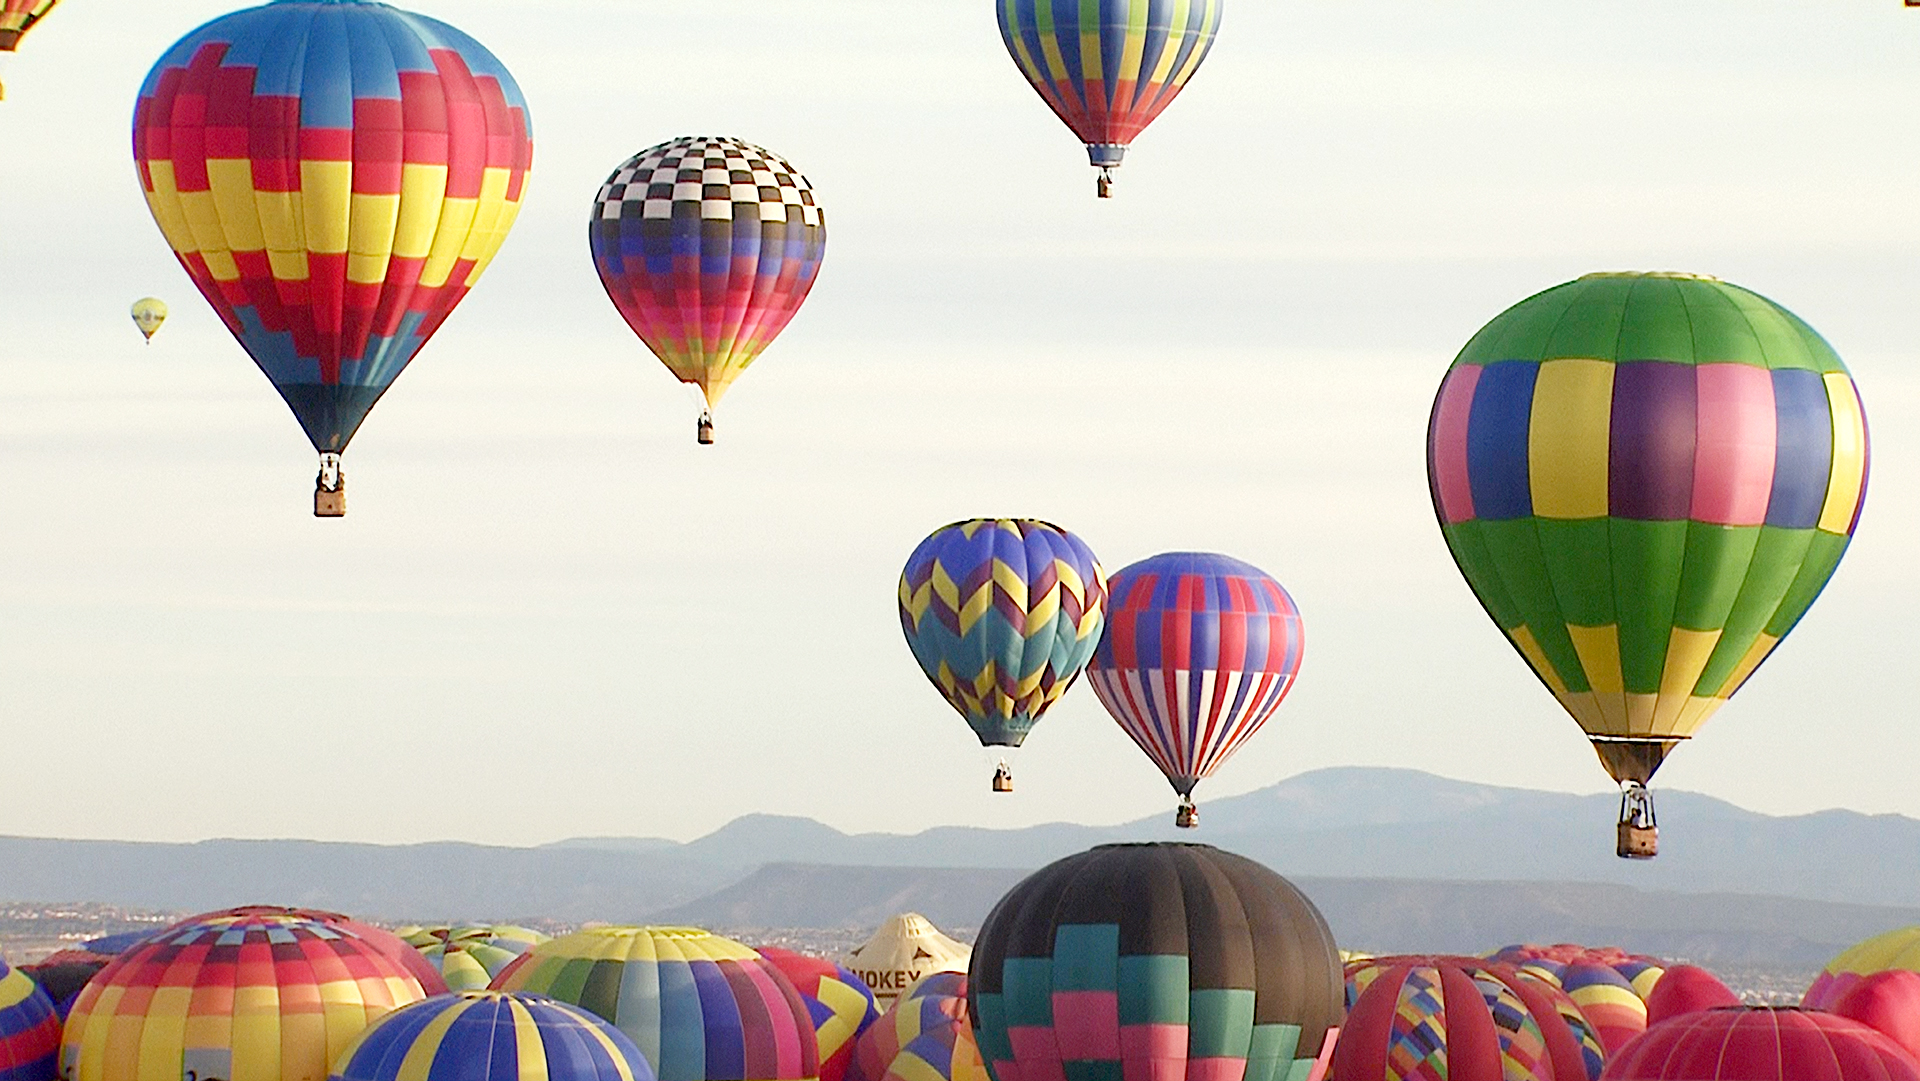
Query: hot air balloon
[
  {"x": 901, "y": 952},
  {"x": 1687, "y": 989},
  {"x": 468, "y": 957},
  {"x": 243, "y": 995},
  {"x": 708, "y": 246},
  {"x": 16, "y": 18},
  {"x": 1893, "y": 949},
  {"x": 926, "y": 1036},
  {"x": 1108, "y": 67},
  {"x": 334, "y": 175},
  {"x": 1198, "y": 652},
  {"x": 1002, "y": 614},
  {"x": 1437, "y": 1017},
  {"x": 839, "y": 1003},
  {"x": 148, "y": 313},
  {"x": 1646, "y": 479},
  {"x": 1762, "y": 1043},
  {"x": 491, "y": 1036},
  {"x": 1607, "y": 1000},
  {"x": 29, "y": 1029},
  {"x": 700, "y": 1007},
  {"x": 1888, "y": 1002},
  {"x": 1205, "y": 964}
]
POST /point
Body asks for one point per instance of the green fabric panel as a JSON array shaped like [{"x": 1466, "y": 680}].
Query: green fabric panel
[
  {"x": 1086, "y": 956},
  {"x": 1271, "y": 1056},
  {"x": 1656, "y": 325},
  {"x": 1824, "y": 358},
  {"x": 1721, "y": 332},
  {"x": 1026, "y": 985},
  {"x": 1468, "y": 545},
  {"x": 1647, "y": 560},
  {"x": 1520, "y": 332},
  {"x": 1591, "y": 326},
  {"x": 1779, "y": 335},
  {"x": 1777, "y": 556},
  {"x": 567, "y": 981},
  {"x": 1302, "y": 1069},
  {"x": 600, "y": 994},
  {"x": 1514, "y": 548},
  {"x": 1222, "y": 1025},
  {"x": 1717, "y": 561},
  {"x": 1091, "y": 1069},
  {"x": 1823, "y": 558},
  {"x": 1578, "y": 558},
  {"x": 990, "y": 1014},
  {"x": 1153, "y": 990}
]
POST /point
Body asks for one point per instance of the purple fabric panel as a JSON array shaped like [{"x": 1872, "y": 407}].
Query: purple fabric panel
[{"x": 1651, "y": 442}]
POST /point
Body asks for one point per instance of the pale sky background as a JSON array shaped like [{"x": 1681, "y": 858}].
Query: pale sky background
[{"x": 550, "y": 614}]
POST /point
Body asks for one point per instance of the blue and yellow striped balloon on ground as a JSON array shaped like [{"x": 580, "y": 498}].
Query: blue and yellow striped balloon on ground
[
  {"x": 699, "y": 1006},
  {"x": 29, "y": 1029},
  {"x": 1646, "y": 479},
  {"x": 491, "y": 1036},
  {"x": 1002, "y": 614},
  {"x": 468, "y": 957}
]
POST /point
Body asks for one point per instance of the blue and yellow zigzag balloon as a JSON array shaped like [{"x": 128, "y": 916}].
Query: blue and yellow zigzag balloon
[{"x": 1002, "y": 614}]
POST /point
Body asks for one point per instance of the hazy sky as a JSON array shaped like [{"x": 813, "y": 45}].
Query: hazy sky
[{"x": 550, "y": 614}]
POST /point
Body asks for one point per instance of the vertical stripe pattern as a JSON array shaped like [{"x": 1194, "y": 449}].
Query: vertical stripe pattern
[
  {"x": 1760, "y": 1043},
  {"x": 926, "y": 1036},
  {"x": 245, "y": 995},
  {"x": 838, "y": 1003},
  {"x": 1002, "y": 615},
  {"x": 1155, "y": 962},
  {"x": 1646, "y": 479},
  {"x": 334, "y": 175},
  {"x": 1198, "y": 652},
  {"x": 491, "y": 1036},
  {"x": 699, "y": 1007},
  {"x": 1108, "y": 67},
  {"x": 1422, "y": 1018}
]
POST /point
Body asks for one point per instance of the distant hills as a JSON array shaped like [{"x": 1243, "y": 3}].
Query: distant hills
[{"x": 1398, "y": 859}]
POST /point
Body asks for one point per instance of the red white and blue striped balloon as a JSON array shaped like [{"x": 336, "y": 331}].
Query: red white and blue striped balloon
[{"x": 1199, "y": 650}]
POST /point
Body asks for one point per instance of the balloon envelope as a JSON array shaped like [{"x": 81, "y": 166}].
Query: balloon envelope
[
  {"x": 148, "y": 313},
  {"x": 926, "y": 1036},
  {"x": 334, "y": 176},
  {"x": 491, "y": 1036},
  {"x": 1198, "y": 652},
  {"x": 707, "y": 246},
  {"x": 1218, "y": 964},
  {"x": 29, "y": 1029},
  {"x": 1437, "y": 1017},
  {"x": 1687, "y": 989},
  {"x": 700, "y": 1007},
  {"x": 1760, "y": 1043},
  {"x": 1002, "y": 615},
  {"x": 1646, "y": 479},
  {"x": 839, "y": 1003},
  {"x": 1108, "y": 67},
  {"x": 902, "y": 951},
  {"x": 468, "y": 957},
  {"x": 1898, "y": 948},
  {"x": 1608, "y": 1001},
  {"x": 242, "y": 995},
  {"x": 1889, "y": 1002}
]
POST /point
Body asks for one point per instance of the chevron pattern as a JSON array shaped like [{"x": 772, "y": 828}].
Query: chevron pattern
[{"x": 1002, "y": 614}]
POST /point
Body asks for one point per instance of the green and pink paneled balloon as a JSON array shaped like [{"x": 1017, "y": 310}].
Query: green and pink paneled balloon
[
  {"x": 1198, "y": 652},
  {"x": 1108, "y": 67}
]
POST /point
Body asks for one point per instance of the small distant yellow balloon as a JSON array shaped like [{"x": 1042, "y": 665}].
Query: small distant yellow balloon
[{"x": 148, "y": 314}]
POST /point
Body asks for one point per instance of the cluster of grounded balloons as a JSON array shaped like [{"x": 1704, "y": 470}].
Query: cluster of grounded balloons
[
  {"x": 1190, "y": 652},
  {"x": 335, "y": 175},
  {"x": 1162, "y": 962}
]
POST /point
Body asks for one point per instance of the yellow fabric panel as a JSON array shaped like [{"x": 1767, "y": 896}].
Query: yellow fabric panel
[
  {"x": 418, "y": 1060},
  {"x": 976, "y": 606},
  {"x": 945, "y": 587},
  {"x": 1599, "y": 650},
  {"x": 1895, "y": 949},
  {"x": 1613, "y": 713},
  {"x": 1687, "y": 656},
  {"x": 289, "y": 266},
  {"x": 1182, "y": 10},
  {"x": 1584, "y": 708},
  {"x": 1212, "y": 26},
  {"x": 371, "y": 220},
  {"x": 486, "y": 235},
  {"x": 531, "y": 1052},
  {"x": 509, "y": 212},
  {"x": 326, "y": 202},
  {"x": 422, "y": 189},
  {"x": 282, "y": 228},
  {"x": 203, "y": 222},
  {"x": 231, "y": 182},
  {"x": 1567, "y": 442},
  {"x": 163, "y": 1035},
  {"x": 1640, "y": 712},
  {"x": 1849, "y": 454},
  {"x": 1028, "y": 62},
  {"x": 1536, "y": 657},
  {"x": 1762, "y": 646},
  {"x": 220, "y": 264},
  {"x": 1694, "y": 714},
  {"x": 1050, "y": 47},
  {"x": 164, "y": 201},
  {"x": 1042, "y": 611},
  {"x": 256, "y": 1033},
  {"x": 304, "y": 1040},
  {"x": 456, "y": 221}
]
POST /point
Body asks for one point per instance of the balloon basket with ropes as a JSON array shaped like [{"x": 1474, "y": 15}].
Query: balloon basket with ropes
[
  {"x": 1003, "y": 777},
  {"x": 703, "y": 428},
  {"x": 330, "y": 488},
  {"x": 1188, "y": 816},
  {"x": 1632, "y": 763}
]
